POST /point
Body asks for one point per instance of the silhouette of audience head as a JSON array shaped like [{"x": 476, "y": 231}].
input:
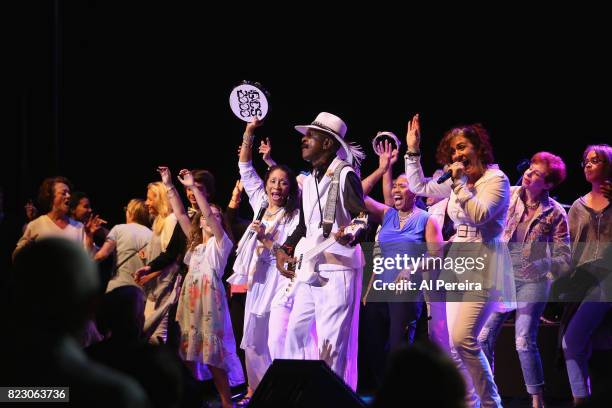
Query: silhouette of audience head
[
  {"x": 55, "y": 284},
  {"x": 425, "y": 376},
  {"x": 157, "y": 369}
]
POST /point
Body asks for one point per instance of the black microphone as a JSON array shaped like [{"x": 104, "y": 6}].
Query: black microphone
[
  {"x": 521, "y": 167},
  {"x": 449, "y": 173},
  {"x": 260, "y": 214}
]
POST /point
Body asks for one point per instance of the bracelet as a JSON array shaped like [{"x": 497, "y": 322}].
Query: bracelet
[
  {"x": 412, "y": 154},
  {"x": 247, "y": 139},
  {"x": 275, "y": 247},
  {"x": 171, "y": 191}
]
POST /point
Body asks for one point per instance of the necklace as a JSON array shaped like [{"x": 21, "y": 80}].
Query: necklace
[
  {"x": 271, "y": 214},
  {"x": 532, "y": 206},
  {"x": 403, "y": 218}
]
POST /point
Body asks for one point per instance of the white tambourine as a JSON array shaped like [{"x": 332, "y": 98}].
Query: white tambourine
[
  {"x": 381, "y": 136},
  {"x": 249, "y": 100}
]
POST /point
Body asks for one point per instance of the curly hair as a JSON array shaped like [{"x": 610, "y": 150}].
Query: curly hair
[
  {"x": 293, "y": 199},
  {"x": 555, "y": 167},
  {"x": 47, "y": 191},
  {"x": 476, "y": 134}
]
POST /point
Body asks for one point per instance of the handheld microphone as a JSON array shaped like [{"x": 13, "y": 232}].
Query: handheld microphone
[
  {"x": 449, "y": 173},
  {"x": 521, "y": 167},
  {"x": 260, "y": 214}
]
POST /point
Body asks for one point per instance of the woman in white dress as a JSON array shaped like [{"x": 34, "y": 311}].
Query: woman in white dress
[{"x": 207, "y": 342}]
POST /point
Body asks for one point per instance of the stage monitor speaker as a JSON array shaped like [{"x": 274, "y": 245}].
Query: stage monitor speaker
[{"x": 303, "y": 383}]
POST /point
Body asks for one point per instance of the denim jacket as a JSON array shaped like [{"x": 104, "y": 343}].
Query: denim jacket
[{"x": 547, "y": 236}]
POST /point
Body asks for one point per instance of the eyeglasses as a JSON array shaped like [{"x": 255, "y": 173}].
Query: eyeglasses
[{"x": 594, "y": 161}]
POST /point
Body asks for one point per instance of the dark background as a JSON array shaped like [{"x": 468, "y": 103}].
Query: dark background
[{"x": 103, "y": 92}]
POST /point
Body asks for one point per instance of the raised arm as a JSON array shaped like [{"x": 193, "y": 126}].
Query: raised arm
[
  {"x": 234, "y": 203},
  {"x": 375, "y": 209},
  {"x": 387, "y": 181},
  {"x": 414, "y": 172},
  {"x": 252, "y": 183},
  {"x": 186, "y": 178},
  {"x": 265, "y": 148},
  {"x": 246, "y": 155},
  {"x": 384, "y": 166},
  {"x": 177, "y": 205}
]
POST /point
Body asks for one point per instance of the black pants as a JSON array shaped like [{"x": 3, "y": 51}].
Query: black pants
[{"x": 383, "y": 327}]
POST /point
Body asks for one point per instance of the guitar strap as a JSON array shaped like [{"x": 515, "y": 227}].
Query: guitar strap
[{"x": 329, "y": 215}]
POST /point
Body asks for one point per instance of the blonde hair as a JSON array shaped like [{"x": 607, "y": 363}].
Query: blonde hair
[
  {"x": 161, "y": 205},
  {"x": 138, "y": 212}
]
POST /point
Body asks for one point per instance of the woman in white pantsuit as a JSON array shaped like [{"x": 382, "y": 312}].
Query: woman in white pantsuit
[
  {"x": 265, "y": 322},
  {"x": 478, "y": 195}
]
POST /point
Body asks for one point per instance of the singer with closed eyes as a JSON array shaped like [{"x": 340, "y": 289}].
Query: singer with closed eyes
[
  {"x": 478, "y": 195},
  {"x": 265, "y": 322}
]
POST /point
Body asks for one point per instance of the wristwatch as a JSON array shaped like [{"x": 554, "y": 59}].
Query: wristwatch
[{"x": 410, "y": 155}]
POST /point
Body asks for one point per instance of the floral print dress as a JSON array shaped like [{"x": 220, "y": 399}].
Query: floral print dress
[{"x": 207, "y": 337}]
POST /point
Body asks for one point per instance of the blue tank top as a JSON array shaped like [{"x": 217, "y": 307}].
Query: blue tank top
[{"x": 408, "y": 240}]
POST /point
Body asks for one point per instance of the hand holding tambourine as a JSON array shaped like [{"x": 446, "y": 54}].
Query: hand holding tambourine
[
  {"x": 249, "y": 100},
  {"x": 389, "y": 137}
]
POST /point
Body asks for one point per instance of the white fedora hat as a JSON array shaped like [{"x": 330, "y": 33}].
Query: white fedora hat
[{"x": 334, "y": 126}]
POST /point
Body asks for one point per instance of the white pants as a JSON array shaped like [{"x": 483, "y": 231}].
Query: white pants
[
  {"x": 264, "y": 342},
  {"x": 465, "y": 320},
  {"x": 333, "y": 307}
]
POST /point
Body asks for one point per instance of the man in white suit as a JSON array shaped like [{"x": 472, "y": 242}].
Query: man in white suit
[{"x": 332, "y": 303}]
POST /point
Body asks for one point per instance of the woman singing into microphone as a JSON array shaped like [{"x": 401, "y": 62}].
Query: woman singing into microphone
[
  {"x": 265, "y": 322},
  {"x": 478, "y": 195}
]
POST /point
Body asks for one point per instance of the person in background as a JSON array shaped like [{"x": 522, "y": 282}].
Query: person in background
[
  {"x": 54, "y": 200},
  {"x": 159, "y": 277},
  {"x": 537, "y": 232},
  {"x": 590, "y": 224},
  {"x": 54, "y": 290},
  {"x": 81, "y": 210},
  {"x": 128, "y": 240}
]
